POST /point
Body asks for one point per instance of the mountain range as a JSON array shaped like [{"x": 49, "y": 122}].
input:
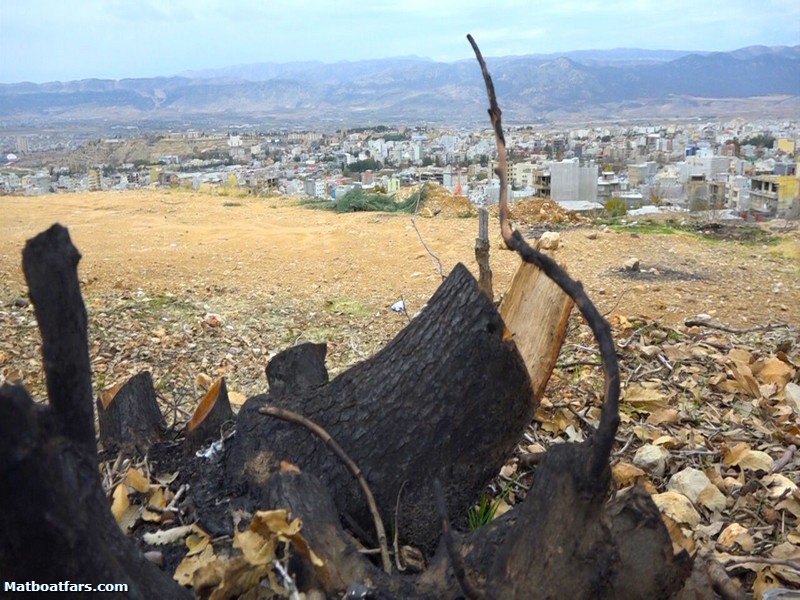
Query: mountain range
[{"x": 597, "y": 84}]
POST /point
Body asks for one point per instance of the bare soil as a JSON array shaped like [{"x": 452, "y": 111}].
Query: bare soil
[{"x": 156, "y": 264}]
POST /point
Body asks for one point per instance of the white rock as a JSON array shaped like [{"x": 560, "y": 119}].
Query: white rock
[
  {"x": 689, "y": 482},
  {"x": 550, "y": 240},
  {"x": 694, "y": 484},
  {"x": 632, "y": 264},
  {"x": 792, "y": 392},
  {"x": 652, "y": 459}
]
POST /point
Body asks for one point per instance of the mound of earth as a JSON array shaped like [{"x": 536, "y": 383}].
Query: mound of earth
[
  {"x": 438, "y": 201},
  {"x": 537, "y": 211}
]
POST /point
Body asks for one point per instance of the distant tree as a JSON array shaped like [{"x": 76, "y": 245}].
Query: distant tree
[
  {"x": 616, "y": 207},
  {"x": 360, "y": 166},
  {"x": 762, "y": 140}
]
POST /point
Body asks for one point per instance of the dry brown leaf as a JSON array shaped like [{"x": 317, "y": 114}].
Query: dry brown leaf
[
  {"x": 744, "y": 378},
  {"x": 755, "y": 460},
  {"x": 736, "y": 534},
  {"x": 186, "y": 569},
  {"x": 136, "y": 479},
  {"x": 677, "y": 507},
  {"x": 779, "y": 485},
  {"x": 712, "y": 499},
  {"x": 740, "y": 355},
  {"x": 167, "y": 479},
  {"x": 667, "y": 441},
  {"x": 240, "y": 579},
  {"x": 256, "y": 549},
  {"x": 680, "y": 541},
  {"x": 644, "y": 399},
  {"x": 765, "y": 581},
  {"x": 731, "y": 456},
  {"x": 196, "y": 543},
  {"x": 777, "y": 372},
  {"x": 787, "y": 551},
  {"x": 266, "y": 522},
  {"x": 790, "y": 504},
  {"x": 664, "y": 415},
  {"x": 120, "y": 502},
  {"x": 626, "y": 474}
]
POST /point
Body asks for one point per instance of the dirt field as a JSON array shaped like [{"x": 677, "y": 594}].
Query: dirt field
[
  {"x": 173, "y": 243},
  {"x": 275, "y": 272}
]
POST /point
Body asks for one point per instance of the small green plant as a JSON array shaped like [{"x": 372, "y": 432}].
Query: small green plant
[{"x": 483, "y": 513}]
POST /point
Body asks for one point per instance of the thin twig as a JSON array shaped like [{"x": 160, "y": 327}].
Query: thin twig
[
  {"x": 785, "y": 459},
  {"x": 616, "y": 304},
  {"x": 450, "y": 545},
  {"x": 603, "y": 440},
  {"x": 396, "y": 536},
  {"x": 778, "y": 562},
  {"x": 725, "y": 328},
  {"x": 419, "y": 234},
  {"x": 579, "y": 363},
  {"x": 298, "y": 419}
]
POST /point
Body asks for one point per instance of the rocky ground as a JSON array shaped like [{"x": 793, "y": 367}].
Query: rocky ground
[{"x": 192, "y": 287}]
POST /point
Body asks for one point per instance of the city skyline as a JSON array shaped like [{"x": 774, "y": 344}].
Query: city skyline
[{"x": 46, "y": 40}]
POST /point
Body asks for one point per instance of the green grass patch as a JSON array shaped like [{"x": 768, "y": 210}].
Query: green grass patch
[
  {"x": 347, "y": 306},
  {"x": 168, "y": 305},
  {"x": 320, "y": 335}
]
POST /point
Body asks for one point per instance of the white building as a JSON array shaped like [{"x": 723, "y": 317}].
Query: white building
[{"x": 570, "y": 181}]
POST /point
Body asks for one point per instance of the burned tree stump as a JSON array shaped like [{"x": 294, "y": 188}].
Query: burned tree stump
[
  {"x": 448, "y": 398},
  {"x": 210, "y": 417},
  {"x": 298, "y": 368},
  {"x": 56, "y": 521},
  {"x": 131, "y": 419}
]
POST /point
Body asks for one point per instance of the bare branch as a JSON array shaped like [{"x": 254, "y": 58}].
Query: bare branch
[
  {"x": 298, "y": 419},
  {"x": 763, "y": 560},
  {"x": 603, "y": 440},
  {"x": 710, "y": 324},
  {"x": 419, "y": 234}
]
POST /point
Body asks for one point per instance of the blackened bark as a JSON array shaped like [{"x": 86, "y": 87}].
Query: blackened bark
[
  {"x": 448, "y": 398},
  {"x": 56, "y": 524},
  {"x": 50, "y": 264},
  {"x": 298, "y": 368},
  {"x": 55, "y": 520},
  {"x": 132, "y": 420}
]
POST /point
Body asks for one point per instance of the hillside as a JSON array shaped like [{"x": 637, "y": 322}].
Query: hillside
[{"x": 600, "y": 85}]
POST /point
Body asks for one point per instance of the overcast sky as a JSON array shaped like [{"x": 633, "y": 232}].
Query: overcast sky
[{"x": 47, "y": 40}]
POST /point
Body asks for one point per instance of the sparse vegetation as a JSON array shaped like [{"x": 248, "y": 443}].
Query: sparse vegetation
[{"x": 616, "y": 207}]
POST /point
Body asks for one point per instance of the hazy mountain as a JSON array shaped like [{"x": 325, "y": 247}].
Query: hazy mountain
[{"x": 606, "y": 83}]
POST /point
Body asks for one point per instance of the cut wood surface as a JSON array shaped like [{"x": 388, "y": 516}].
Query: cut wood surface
[
  {"x": 211, "y": 417},
  {"x": 536, "y": 311}
]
